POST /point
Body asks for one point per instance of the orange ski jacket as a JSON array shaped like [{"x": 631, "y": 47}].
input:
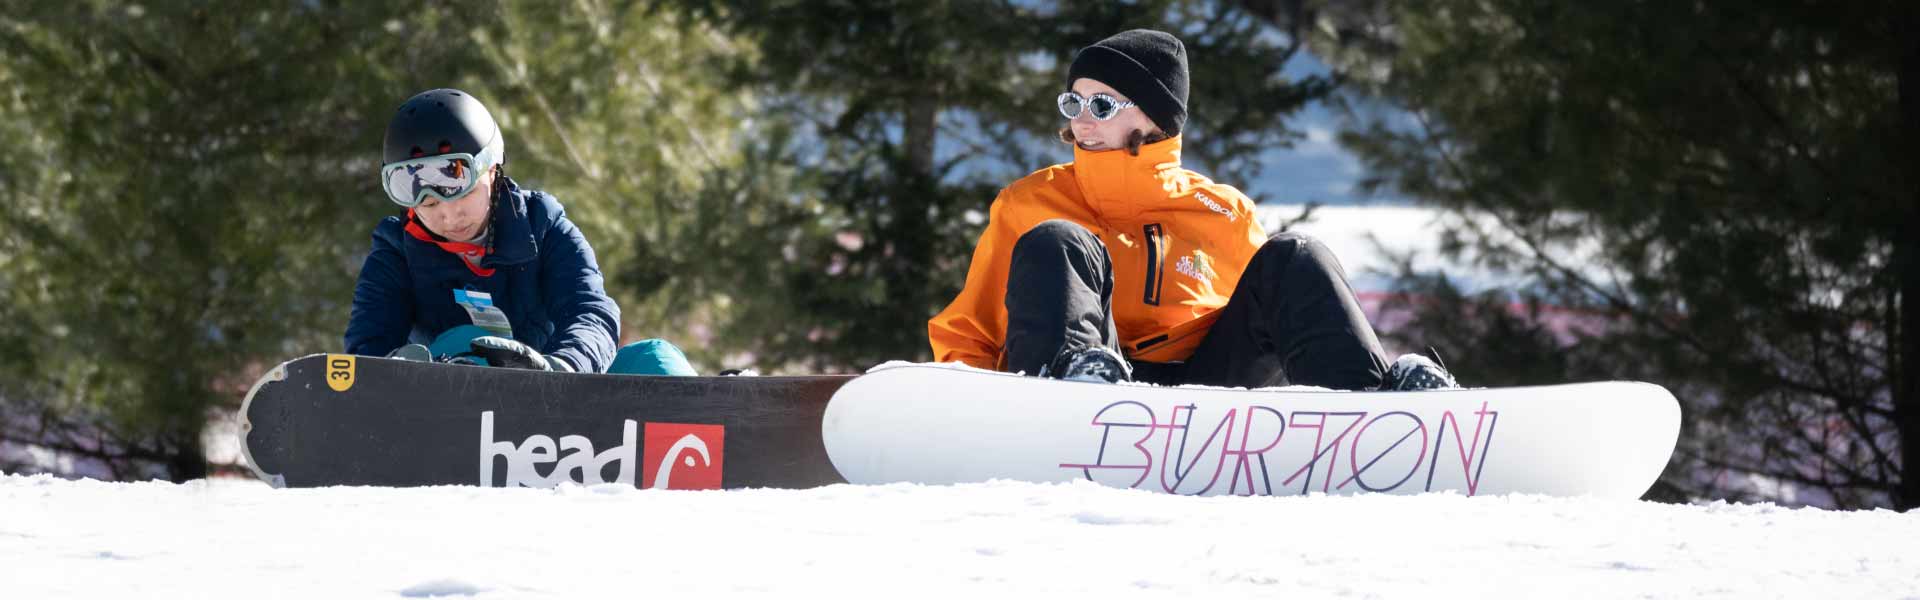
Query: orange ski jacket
[{"x": 1178, "y": 243}]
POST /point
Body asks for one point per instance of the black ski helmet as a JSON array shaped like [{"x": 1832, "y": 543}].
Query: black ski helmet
[{"x": 442, "y": 121}]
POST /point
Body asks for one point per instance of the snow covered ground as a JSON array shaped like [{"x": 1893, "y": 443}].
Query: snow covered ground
[{"x": 235, "y": 539}]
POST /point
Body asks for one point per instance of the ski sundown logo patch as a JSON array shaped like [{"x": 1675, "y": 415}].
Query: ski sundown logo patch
[
  {"x": 674, "y": 456},
  {"x": 683, "y": 457},
  {"x": 1198, "y": 266}
]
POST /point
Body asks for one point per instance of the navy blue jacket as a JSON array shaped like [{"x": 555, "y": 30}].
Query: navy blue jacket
[{"x": 545, "y": 280}]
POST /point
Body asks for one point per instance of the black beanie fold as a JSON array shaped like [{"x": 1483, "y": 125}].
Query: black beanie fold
[{"x": 1148, "y": 67}]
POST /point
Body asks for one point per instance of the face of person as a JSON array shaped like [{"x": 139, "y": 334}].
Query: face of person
[
  {"x": 1096, "y": 135},
  {"x": 461, "y": 220}
]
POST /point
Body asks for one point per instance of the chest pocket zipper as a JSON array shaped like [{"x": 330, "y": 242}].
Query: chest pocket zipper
[{"x": 1155, "y": 242}]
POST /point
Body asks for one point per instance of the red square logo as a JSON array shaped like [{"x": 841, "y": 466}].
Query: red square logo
[{"x": 678, "y": 456}]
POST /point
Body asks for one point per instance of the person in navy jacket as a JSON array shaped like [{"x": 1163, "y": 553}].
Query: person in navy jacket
[{"x": 478, "y": 267}]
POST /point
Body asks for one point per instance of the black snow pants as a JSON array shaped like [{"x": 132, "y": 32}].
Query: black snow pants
[{"x": 1292, "y": 320}]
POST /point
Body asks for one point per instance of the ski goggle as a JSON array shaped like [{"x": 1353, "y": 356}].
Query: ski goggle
[
  {"x": 447, "y": 177},
  {"x": 1102, "y": 106}
]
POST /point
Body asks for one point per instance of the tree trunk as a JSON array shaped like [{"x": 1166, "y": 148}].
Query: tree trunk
[
  {"x": 1906, "y": 386},
  {"x": 922, "y": 127},
  {"x": 189, "y": 459}
]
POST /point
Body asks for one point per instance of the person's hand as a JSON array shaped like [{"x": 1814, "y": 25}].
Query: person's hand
[{"x": 505, "y": 352}]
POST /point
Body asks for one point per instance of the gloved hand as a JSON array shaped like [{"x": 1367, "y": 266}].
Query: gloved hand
[
  {"x": 413, "y": 352},
  {"x": 505, "y": 352}
]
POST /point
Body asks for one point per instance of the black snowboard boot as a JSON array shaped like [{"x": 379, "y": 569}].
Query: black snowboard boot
[
  {"x": 1413, "y": 372},
  {"x": 1097, "y": 364}
]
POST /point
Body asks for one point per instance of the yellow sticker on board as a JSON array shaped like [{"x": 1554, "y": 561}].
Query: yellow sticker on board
[{"x": 340, "y": 371}]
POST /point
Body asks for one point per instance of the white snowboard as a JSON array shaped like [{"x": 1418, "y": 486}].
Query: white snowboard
[{"x": 941, "y": 425}]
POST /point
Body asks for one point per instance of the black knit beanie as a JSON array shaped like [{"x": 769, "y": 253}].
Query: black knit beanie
[{"x": 1148, "y": 67}]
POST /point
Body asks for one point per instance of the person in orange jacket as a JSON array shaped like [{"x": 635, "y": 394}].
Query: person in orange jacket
[{"x": 1121, "y": 265}]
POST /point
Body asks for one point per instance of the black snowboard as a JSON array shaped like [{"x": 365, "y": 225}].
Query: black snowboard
[{"x": 334, "y": 419}]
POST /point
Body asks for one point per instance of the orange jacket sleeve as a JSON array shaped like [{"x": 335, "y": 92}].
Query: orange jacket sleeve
[{"x": 973, "y": 327}]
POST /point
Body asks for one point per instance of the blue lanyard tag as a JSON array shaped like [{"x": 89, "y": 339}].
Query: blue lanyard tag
[{"x": 482, "y": 312}]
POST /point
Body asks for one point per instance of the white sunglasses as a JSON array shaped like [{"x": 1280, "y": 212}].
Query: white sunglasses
[{"x": 1102, "y": 106}]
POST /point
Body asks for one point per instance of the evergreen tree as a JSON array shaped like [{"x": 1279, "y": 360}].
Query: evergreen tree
[
  {"x": 179, "y": 177},
  {"x": 1722, "y": 193}
]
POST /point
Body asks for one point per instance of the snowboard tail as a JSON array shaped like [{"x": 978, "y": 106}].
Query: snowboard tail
[{"x": 334, "y": 419}]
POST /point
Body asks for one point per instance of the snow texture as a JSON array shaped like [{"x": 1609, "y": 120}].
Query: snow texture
[{"x": 238, "y": 539}]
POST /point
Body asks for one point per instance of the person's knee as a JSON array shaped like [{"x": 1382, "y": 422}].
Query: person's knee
[
  {"x": 1290, "y": 246},
  {"x": 651, "y": 357},
  {"x": 1059, "y": 243},
  {"x": 1055, "y": 233}
]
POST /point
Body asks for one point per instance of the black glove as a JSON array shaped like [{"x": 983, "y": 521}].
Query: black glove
[{"x": 504, "y": 352}]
